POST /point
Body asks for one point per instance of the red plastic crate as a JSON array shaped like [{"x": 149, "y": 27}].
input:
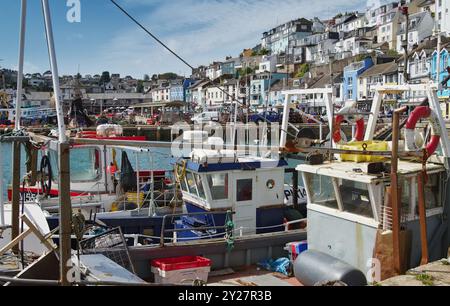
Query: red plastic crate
[{"x": 181, "y": 263}]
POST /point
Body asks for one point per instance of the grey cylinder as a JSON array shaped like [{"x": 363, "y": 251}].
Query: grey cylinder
[{"x": 312, "y": 268}]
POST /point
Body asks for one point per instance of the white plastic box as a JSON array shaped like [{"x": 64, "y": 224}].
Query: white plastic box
[{"x": 181, "y": 270}]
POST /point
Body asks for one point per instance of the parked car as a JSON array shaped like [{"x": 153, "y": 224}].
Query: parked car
[
  {"x": 269, "y": 116},
  {"x": 205, "y": 117}
]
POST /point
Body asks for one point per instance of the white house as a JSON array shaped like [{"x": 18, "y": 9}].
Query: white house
[
  {"x": 380, "y": 74},
  {"x": 420, "y": 27},
  {"x": 419, "y": 67},
  {"x": 443, "y": 15},
  {"x": 268, "y": 64}
]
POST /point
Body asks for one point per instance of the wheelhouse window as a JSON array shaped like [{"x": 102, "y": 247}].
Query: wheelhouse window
[
  {"x": 355, "y": 198},
  {"x": 321, "y": 190},
  {"x": 191, "y": 184},
  {"x": 218, "y": 185},
  {"x": 85, "y": 165},
  {"x": 200, "y": 188},
  {"x": 244, "y": 190},
  {"x": 433, "y": 192}
]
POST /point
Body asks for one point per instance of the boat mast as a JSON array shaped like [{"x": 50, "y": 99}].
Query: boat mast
[
  {"x": 54, "y": 69},
  {"x": 65, "y": 210},
  {"x": 23, "y": 22}
]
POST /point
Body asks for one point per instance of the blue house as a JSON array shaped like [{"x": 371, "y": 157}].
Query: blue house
[
  {"x": 259, "y": 87},
  {"x": 186, "y": 84},
  {"x": 176, "y": 92},
  {"x": 445, "y": 62},
  {"x": 351, "y": 74}
]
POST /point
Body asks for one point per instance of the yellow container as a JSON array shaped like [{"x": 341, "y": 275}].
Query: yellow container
[{"x": 380, "y": 146}]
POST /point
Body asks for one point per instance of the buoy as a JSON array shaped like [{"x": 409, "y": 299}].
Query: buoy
[{"x": 423, "y": 112}]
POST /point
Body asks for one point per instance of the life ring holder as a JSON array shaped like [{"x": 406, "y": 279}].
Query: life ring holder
[{"x": 423, "y": 112}]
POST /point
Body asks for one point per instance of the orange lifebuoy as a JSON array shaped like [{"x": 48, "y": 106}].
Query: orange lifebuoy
[{"x": 423, "y": 112}]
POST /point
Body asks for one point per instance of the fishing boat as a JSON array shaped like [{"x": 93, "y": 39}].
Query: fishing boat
[
  {"x": 132, "y": 197},
  {"x": 219, "y": 183}
]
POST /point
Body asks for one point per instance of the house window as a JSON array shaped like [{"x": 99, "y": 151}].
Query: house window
[{"x": 244, "y": 190}]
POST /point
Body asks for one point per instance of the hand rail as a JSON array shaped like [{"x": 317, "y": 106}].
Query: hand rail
[{"x": 163, "y": 226}]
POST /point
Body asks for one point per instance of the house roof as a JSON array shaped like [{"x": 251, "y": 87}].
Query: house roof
[
  {"x": 326, "y": 80},
  {"x": 418, "y": 17},
  {"x": 379, "y": 69}
]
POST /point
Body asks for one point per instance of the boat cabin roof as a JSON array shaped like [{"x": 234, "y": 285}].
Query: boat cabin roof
[
  {"x": 240, "y": 164},
  {"x": 354, "y": 171}
]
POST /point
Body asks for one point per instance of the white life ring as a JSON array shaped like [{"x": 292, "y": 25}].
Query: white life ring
[{"x": 423, "y": 112}]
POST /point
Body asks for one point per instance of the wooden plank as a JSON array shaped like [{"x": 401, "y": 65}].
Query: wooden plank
[{"x": 15, "y": 242}]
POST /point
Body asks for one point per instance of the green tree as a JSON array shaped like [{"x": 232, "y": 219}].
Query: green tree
[
  {"x": 304, "y": 68},
  {"x": 168, "y": 76},
  {"x": 140, "y": 87},
  {"x": 146, "y": 77},
  {"x": 105, "y": 78},
  {"x": 392, "y": 53}
]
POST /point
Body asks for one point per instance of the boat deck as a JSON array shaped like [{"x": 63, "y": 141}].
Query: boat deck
[{"x": 250, "y": 277}]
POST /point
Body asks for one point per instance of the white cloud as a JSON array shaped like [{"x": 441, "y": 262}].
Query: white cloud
[
  {"x": 29, "y": 67},
  {"x": 203, "y": 30}
]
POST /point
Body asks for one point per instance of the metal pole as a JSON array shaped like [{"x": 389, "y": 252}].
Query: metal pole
[
  {"x": 2, "y": 207},
  {"x": 54, "y": 69},
  {"x": 394, "y": 190},
  {"x": 138, "y": 188},
  {"x": 438, "y": 32},
  {"x": 423, "y": 218},
  {"x": 65, "y": 214},
  {"x": 152, "y": 206},
  {"x": 405, "y": 73},
  {"x": 23, "y": 22}
]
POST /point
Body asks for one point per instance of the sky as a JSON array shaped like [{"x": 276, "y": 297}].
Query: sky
[{"x": 201, "y": 31}]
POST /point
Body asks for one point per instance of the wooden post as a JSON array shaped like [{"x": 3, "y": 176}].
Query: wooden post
[
  {"x": 65, "y": 214},
  {"x": 15, "y": 194},
  {"x": 395, "y": 191},
  {"x": 423, "y": 218}
]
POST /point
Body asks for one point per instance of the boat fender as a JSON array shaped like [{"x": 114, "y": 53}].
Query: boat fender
[
  {"x": 313, "y": 267},
  {"x": 423, "y": 112}
]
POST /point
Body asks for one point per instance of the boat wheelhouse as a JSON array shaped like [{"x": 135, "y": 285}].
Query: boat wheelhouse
[
  {"x": 381, "y": 206},
  {"x": 349, "y": 212},
  {"x": 220, "y": 183}
]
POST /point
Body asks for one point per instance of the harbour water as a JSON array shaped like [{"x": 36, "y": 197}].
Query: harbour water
[{"x": 161, "y": 160}]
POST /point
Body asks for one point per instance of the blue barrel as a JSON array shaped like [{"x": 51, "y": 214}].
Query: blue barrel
[{"x": 312, "y": 268}]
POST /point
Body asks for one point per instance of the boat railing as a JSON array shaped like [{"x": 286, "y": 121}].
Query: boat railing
[
  {"x": 286, "y": 225},
  {"x": 386, "y": 218},
  {"x": 205, "y": 228}
]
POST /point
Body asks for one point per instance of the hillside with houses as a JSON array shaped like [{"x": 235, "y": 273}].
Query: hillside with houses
[{"x": 350, "y": 52}]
